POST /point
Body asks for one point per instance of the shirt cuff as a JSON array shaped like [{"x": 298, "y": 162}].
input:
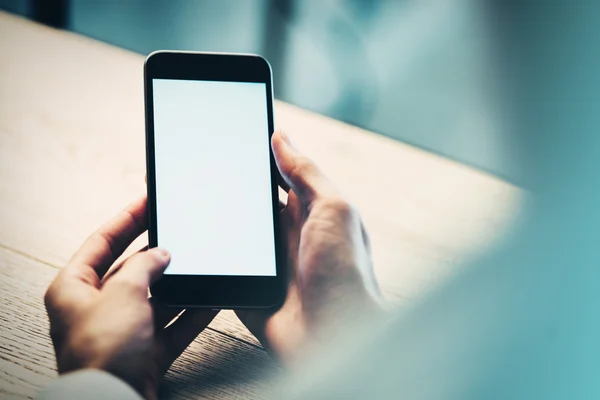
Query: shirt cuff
[{"x": 88, "y": 384}]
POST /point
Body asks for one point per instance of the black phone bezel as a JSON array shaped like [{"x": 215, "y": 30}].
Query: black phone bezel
[{"x": 213, "y": 291}]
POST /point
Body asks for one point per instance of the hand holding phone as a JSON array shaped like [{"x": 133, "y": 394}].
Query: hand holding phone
[{"x": 332, "y": 286}]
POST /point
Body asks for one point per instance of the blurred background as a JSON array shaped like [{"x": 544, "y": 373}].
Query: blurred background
[{"x": 415, "y": 71}]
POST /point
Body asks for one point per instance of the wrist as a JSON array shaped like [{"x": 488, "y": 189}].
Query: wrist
[{"x": 341, "y": 318}]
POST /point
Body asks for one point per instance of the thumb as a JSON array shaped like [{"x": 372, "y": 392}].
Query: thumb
[
  {"x": 299, "y": 172},
  {"x": 142, "y": 269}
]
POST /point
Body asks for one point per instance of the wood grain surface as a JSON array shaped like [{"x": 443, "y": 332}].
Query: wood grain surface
[
  {"x": 213, "y": 366},
  {"x": 72, "y": 155}
]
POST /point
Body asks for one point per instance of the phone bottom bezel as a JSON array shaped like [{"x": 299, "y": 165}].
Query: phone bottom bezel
[{"x": 219, "y": 292}]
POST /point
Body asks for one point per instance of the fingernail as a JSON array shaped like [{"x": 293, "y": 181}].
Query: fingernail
[
  {"x": 161, "y": 253},
  {"x": 286, "y": 138}
]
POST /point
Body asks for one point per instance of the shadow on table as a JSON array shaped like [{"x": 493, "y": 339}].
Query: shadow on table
[{"x": 216, "y": 365}]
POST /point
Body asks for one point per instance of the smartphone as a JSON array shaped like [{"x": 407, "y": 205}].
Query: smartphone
[{"x": 213, "y": 198}]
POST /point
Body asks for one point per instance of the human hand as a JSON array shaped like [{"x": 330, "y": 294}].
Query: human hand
[
  {"x": 103, "y": 319},
  {"x": 329, "y": 261}
]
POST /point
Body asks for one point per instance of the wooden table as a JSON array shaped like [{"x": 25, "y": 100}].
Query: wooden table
[{"x": 72, "y": 155}]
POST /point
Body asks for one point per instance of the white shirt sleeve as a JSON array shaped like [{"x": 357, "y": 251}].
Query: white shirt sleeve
[{"x": 89, "y": 384}]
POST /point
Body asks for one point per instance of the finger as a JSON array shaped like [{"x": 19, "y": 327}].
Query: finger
[
  {"x": 163, "y": 314},
  {"x": 300, "y": 173},
  {"x": 175, "y": 338},
  {"x": 105, "y": 245},
  {"x": 255, "y": 321},
  {"x": 282, "y": 183},
  {"x": 140, "y": 270},
  {"x": 113, "y": 270}
]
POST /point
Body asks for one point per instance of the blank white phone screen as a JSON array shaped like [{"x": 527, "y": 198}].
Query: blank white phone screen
[{"x": 213, "y": 180}]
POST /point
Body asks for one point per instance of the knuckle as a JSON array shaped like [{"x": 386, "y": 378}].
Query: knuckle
[
  {"x": 303, "y": 166},
  {"x": 140, "y": 258},
  {"x": 341, "y": 207},
  {"x": 130, "y": 284},
  {"x": 60, "y": 304},
  {"x": 50, "y": 296}
]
